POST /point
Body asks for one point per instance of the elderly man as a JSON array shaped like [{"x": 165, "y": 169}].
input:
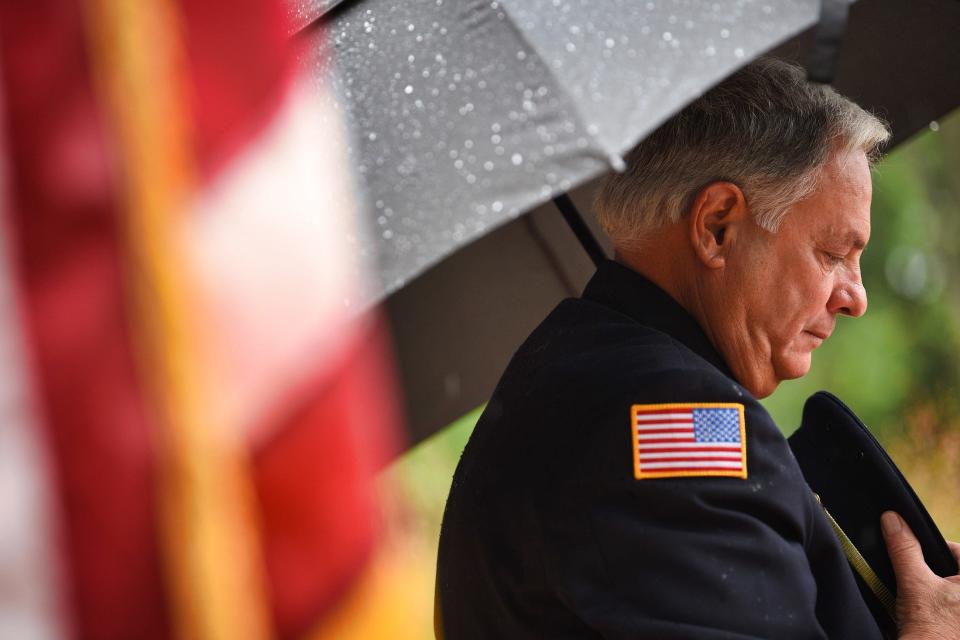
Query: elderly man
[{"x": 623, "y": 481}]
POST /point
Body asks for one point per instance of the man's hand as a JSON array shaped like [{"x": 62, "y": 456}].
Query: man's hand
[{"x": 928, "y": 606}]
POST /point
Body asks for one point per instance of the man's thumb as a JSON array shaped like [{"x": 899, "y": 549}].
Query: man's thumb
[{"x": 905, "y": 553}]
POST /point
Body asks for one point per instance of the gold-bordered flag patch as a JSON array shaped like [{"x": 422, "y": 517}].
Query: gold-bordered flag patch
[{"x": 688, "y": 440}]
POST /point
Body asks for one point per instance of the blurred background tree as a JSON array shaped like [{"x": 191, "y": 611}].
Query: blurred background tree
[{"x": 898, "y": 366}]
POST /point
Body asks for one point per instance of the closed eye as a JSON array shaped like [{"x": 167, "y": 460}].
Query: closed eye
[{"x": 834, "y": 258}]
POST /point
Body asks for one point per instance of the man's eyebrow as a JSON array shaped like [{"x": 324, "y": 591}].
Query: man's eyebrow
[
  {"x": 850, "y": 237},
  {"x": 856, "y": 240}
]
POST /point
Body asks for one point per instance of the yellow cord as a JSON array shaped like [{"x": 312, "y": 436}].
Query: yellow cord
[{"x": 861, "y": 566}]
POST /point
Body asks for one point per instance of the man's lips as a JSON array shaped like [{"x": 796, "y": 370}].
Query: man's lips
[{"x": 819, "y": 334}]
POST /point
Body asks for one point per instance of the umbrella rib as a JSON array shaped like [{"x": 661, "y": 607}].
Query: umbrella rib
[{"x": 611, "y": 158}]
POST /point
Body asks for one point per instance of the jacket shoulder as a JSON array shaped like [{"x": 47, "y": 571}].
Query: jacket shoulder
[{"x": 585, "y": 343}]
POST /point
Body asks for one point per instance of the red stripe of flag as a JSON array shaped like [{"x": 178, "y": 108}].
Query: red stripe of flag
[
  {"x": 731, "y": 449},
  {"x": 648, "y": 436},
  {"x": 696, "y": 469},
  {"x": 645, "y": 412}
]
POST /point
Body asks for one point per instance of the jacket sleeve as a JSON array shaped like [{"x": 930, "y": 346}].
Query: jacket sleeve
[{"x": 685, "y": 557}]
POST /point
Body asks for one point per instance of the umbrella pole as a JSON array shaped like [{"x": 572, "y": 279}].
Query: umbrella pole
[{"x": 580, "y": 228}]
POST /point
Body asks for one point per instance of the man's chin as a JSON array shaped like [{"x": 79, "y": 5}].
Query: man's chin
[
  {"x": 764, "y": 381},
  {"x": 793, "y": 367},
  {"x": 763, "y": 390}
]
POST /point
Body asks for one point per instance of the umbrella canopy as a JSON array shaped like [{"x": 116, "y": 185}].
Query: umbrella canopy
[{"x": 465, "y": 114}]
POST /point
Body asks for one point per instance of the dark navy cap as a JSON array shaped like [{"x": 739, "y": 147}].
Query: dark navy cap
[{"x": 856, "y": 481}]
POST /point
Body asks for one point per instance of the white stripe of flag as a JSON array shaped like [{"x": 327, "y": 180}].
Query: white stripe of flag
[
  {"x": 682, "y": 455},
  {"x": 694, "y": 464},
  {"x": 654, "y": 426}
]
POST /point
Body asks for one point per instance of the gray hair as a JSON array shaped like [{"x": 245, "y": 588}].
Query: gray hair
[{"x": 765, "y": 128}]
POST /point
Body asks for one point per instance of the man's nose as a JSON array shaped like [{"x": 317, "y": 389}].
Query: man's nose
[{"x": 848, "y": 298}]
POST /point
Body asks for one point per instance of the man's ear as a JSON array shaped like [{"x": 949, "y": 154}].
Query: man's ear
[{"x": 715, "y": 218}]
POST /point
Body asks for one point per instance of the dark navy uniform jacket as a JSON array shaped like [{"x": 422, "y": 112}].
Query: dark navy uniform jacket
[{"x": 548, "y": 534}]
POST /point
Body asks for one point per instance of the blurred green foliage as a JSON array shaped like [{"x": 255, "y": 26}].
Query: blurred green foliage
[{"x": 425, "y": 473}]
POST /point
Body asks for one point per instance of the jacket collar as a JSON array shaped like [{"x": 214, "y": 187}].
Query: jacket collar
[{"x": 626, "y": 291}]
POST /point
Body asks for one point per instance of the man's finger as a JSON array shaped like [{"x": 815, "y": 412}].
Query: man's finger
[
  {"x": 905, "y": 553},
  {"x": 954, "y": 549}
]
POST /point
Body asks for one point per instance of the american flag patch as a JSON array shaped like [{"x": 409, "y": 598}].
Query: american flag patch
[{"x": 696, "y": 439}]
